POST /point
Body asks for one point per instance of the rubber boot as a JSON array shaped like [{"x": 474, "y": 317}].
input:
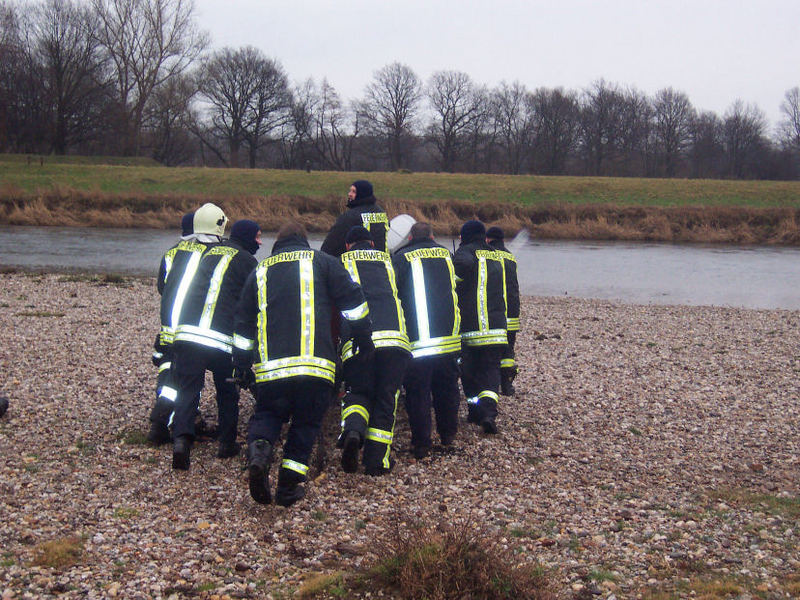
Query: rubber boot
[
  {"x": 259, "y": 458},
  {"x": 181, "y": 449},
  {"x": 350, "y": 448},
  {"x": 289, "y": 489},
  {"x": 228, "y": 450}
]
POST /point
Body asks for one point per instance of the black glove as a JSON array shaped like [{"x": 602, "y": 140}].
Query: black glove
[
  {"x": 244, "y": 376},
  {"x": 159, "y": 346},
  {"x": 362, "y": 344}
]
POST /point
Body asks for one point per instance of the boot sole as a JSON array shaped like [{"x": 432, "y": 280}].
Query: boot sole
[{"x": 259, "y": 484}]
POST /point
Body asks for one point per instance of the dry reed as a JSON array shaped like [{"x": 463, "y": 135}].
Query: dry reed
[{"x": 721, "y": 224}]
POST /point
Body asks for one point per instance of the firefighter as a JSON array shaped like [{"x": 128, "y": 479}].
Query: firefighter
[
  {"x": 283, "y": 345},
  {"x": 204, "y": 338},
  {"x": 372, "y": 381},
  {"x": 508, "y": 365},
  {"x": 426, "y": 286},
  {"x": 199, "y": 230},
  {"x": 479, "y": 285},
  {"x": 362, "y": 209}
]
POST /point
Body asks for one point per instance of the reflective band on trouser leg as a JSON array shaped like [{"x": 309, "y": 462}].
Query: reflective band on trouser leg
[
  {"x": 355, "y": 409},
  {"x": 488, "y": 394},
  {"x": 295, "y": 466},
  {"x": 382, "y": 437},
  {"x": 507, "y": 363},
  {"x": 168, "y": 393},
  {"x": 164, "y": 366}
]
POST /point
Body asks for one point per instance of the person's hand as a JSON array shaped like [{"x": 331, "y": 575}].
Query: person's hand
[{"x": 362, "y": 345}]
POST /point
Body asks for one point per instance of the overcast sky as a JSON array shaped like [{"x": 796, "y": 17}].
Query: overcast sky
[{"x": 714, "y": 50}]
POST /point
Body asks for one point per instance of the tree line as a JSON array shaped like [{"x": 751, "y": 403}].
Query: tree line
[{"x": 139, "y": 78}]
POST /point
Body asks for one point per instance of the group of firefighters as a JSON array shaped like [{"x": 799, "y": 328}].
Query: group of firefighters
[{"x": 299, "y": 324}]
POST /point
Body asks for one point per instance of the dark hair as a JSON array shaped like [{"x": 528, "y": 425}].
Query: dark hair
[
  {"x": 421, "y": 230},
  {"x": 291, "y": 228}
]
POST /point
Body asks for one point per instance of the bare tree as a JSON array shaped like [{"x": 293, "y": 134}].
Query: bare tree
[
  {"x": 743, "y": 136},
  {"x": 514, "y": 123},
  {"x": 634, "y": 136},
  {"x": 456, "y": 102},
  {"x": 170, "y": 120},
  {"x": 389, "y": 109},
  {"x": 789, "y": 127},
  {"x": 63, "y": 46},
  {"x": 248, "y": 95},
  {"x": 10, "y": 67},
  {"x": 674, "y": 115},
  {"x": 706, "y": 150},
  {"x": 555, "y": 116},
  {"x": 602, "y": 109},
  {"x": 148, "y": 42}
]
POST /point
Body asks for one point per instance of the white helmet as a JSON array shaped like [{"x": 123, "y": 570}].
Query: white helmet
[
  {"x": 210, "y": 219},
  {"x": 399, "y": 228}
]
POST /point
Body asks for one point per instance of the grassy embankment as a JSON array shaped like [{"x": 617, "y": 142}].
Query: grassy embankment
[{"x": 85, "y": 192}]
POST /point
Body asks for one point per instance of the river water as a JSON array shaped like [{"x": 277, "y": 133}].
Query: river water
[{"x": 640, "y": 273}]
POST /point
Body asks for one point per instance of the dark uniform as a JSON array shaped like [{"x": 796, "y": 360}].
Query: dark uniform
[
  {"x": 479, "y": 272},
  {"x": 361, "y": 210},
  {"x": 427, "y": 289},
  {"x": 508, "y": 365},
  {"x": 204, "y": 339},
  {"x": 372, "y": 380},
  {"x": 182, "y": 257},
  {"x": 283, "y": 326}
]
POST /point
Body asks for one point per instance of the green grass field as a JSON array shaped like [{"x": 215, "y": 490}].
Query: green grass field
[{"x": 18, "y": 178}]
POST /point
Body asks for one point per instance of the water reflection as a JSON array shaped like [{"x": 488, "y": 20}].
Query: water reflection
[{"x": 754, "y": 277}]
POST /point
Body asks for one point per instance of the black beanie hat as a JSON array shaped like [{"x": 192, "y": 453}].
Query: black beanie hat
[
  {"x": 495, "y": 233},
  {"x": 245, "y": 232},
  {"x": 358, "y": 233},
  {"x": 472, "y": 229},
  {"x": 187, "y": 224},
  {"x": 363, "y": 189}
]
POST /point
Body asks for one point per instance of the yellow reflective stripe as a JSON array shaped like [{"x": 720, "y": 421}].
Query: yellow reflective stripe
[
  {"x": 359, "y": 312},
  {"x": 295, "y": 466},
  {"x": 420, "y": 299},
  {"x": 507, "y": 363},
  {"x": 381, "y": 339},
  {"x": 350, "y": 265},
  {"x": 287, "y": 372},
  {"x": 488, "y": 394},
  {"x": 168, "y": 393},
  {"x": 203, "y": 340},
  {"x": 505, "y": 291},
  {"x": 483, "y": 312},
  {"x": 357, "y": 409},
  {"x": 243, "y": 343},
  {"x": 484, "y": 338},
  {"x": 215, "y": 284},
  {"x": 164, "y": 366},
  {"x": 203, "y": 331},
  {"x": 295, "y": 366},
  {"x": 438, "y": 342},
  {"x": 435, "y": 351},
  {"x": 379, "y": 435},
  {"x": 452, "y": 269},
  {"x": 183, "y": 287},
  {"x": 307, "y": 306},
  {"x": 401, "y": 319},
  {"x": 261, "y": 324},
  {"x": 512, "y": 324}
]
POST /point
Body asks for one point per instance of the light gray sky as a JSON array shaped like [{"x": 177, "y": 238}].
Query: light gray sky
[{"x": 714, "y": 50}]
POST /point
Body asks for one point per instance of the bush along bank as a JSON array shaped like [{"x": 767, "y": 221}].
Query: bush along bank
[{"x": 602, "y": 221}]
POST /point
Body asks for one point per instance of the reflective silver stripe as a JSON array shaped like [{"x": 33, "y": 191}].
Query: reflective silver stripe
[
  {"x": 489, "y": 394},
  {"x": 473, "y": 400},
  {"x": 295, "y": 466},
  {"x": 307, "y": 332},
  {"x": 261, "y": 291},
  {"x": 379, "y": 435},
  {"x": 507, "y": 363},
  {"x": 213, "y": 290},
  {"x": 158, "y": 355},
  {"x": 357, "y": 409},
  {"x": 204, "y": 341},
  {"x": 243, "y": 343},
  {"x": 164, "y": 366},
  {"x": 359, "y": 312},
  {"x": 168, "y": 393},
  {"x": 447, "y": 340},
  {"x": 267, "y": 376},
  {"x": 295, "y": 366},
  {"x": 453, "y": 278},
  {"x": 435, "y": 351},
  {"x": 483, "y": 312},
  {"x": 420, "y": 299},
  {"x": 484, "y": 338},
  {"x": 180, "y": 296},
  {"x": 512, "y": 323}
]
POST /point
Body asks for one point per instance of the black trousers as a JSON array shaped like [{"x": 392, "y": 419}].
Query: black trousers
[
  {"x": 370, "y": 405},
  {"x": 301, "y": 400},
  {"x": 166, "y": 392},
  {"x": 432, "y": 382},
  {"x": 480, "y": 378},
  {"x": 508, "y": 363},
  {"x": 189, "y": 365}
]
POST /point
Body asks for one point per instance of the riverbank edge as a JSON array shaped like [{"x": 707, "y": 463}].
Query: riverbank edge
[{"x": 597, "y": 222}]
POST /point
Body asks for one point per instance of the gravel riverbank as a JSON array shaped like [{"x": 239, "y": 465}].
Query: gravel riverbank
[{"x": 650, "y": 452}]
